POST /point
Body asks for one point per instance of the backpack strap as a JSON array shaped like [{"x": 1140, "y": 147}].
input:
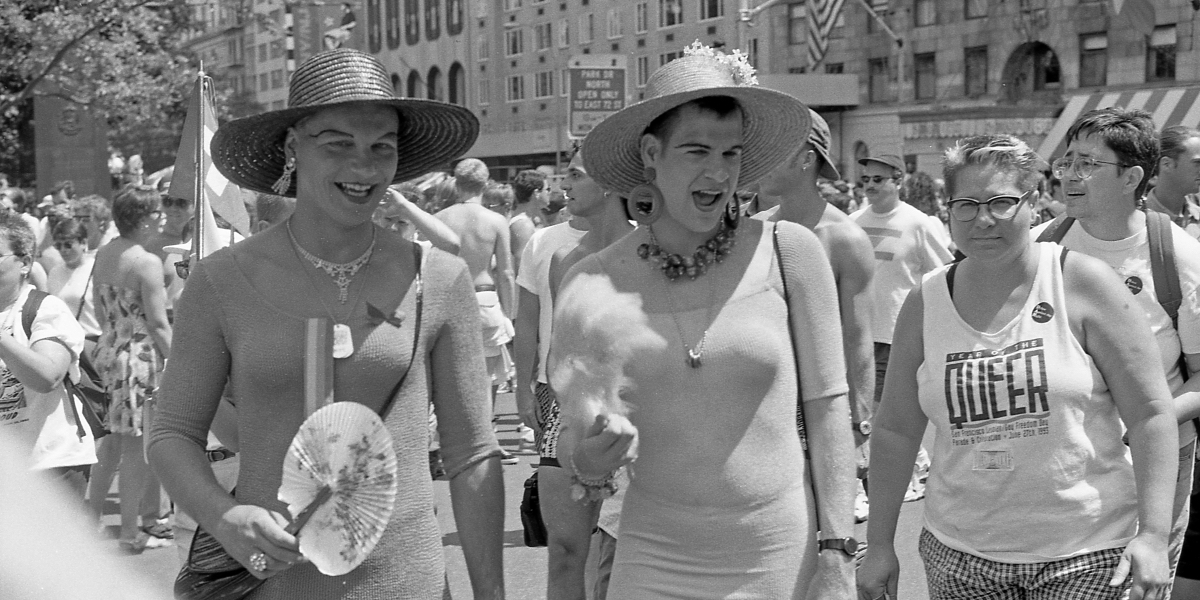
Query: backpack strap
[
  {"x": 29, "y": 311},
  {"x": 1162, "y": 264},
  {"x": 1057, "y": 229}
]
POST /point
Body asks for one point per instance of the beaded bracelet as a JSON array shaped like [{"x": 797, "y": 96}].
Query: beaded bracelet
[{"x": 594, "y": 489}]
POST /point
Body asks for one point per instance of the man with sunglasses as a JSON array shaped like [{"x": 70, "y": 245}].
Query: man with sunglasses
[{"x": 1111, "y": 154}]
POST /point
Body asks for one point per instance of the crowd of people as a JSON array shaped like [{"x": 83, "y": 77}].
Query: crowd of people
[{"x": 707, "y": 376}]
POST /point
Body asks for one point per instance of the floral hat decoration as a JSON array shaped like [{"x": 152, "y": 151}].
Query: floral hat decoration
[{"x": 773, "y": 123}]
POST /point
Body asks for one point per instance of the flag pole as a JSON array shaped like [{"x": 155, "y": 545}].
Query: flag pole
[{"x": 197, "y": 236}]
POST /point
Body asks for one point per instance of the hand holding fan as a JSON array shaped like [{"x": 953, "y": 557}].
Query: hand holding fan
[{"x": 339, "y": 480}]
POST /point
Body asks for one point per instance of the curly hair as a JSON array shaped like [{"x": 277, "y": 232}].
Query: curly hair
[
  {"x": 133, "y": 205},
  {"x": 21, "y": 240},
  {"x": 526, "y": 183},
  {"x": 920, "y": 191}
]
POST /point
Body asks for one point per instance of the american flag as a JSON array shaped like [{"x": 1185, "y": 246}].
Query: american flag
[{"x": 822, "y": 16}]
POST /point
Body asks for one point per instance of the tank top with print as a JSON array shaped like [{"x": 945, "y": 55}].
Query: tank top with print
[{"x": 1027, "y": 464}]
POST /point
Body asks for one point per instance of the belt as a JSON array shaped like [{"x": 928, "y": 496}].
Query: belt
[
  {"x": 219, "y": 454},
  {"x": 485, "y": 287}
]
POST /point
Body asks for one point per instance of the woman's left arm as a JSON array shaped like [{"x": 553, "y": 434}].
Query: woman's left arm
[
  {"x": 459, "y": 390},
  {"x": 1116, "y": 334},
  {"x": 154, "y": 302}
]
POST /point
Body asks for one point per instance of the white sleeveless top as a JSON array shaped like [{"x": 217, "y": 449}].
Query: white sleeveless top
[{"x": 1028, "y": 463}]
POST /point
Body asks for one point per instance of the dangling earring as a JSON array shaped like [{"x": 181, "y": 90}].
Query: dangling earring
[
  {"x": 646, "y": 200},
  {"x": 284, "y": 183},
  {"x": 733, "y": 213}
]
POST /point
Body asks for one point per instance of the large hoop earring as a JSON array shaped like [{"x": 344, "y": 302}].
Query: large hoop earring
[
  {"x": 284, "y": 183},
  {"x": 733, "y": 212},
  {"x": 647, "y": 203}
]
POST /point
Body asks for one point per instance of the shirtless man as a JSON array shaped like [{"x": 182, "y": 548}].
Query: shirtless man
[
  {"x": 528, "y": 193},
  {"x": 794, "y": 183},
  {"x": 483, "y": 236}
]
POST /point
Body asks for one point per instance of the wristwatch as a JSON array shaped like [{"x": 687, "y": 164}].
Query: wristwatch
[
  {"x": 847, "y": 545},
  {"x": 864, "y": 427}
]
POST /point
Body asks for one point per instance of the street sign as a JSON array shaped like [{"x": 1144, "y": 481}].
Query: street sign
[{"x": 597, "y": 90}]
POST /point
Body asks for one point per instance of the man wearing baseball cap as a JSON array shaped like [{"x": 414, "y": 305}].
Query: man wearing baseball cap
[{"x": 794, "y": 185}]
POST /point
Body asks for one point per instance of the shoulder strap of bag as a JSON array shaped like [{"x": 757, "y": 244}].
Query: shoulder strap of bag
[
  {"x": 1057, "y": 229},
  {"x": 419, "y": 261},
  {"x": 84, "y": 297},
  {"x": 28, "y": 313},
  {"x": 783, "y": 276},
  {"x": 1162, "y": 264}
]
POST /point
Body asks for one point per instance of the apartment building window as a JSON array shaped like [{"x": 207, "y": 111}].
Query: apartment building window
[
  {"x": 543, "y": 37},
  {"x": 712, "y": 9},
  {"x": 587, "y": 28},
  {"x": 514, "y": 42},
  {"x": 516, "y": 88},
  {"x": 565, "y": 77},
  {"x": 616, "y": 26},
  {"x": 264, "y": 82},
  {"x": 1093, "y": 59},
  {"x": 975, "y": 9},
  {"x": 975, "y": 70},
  {"x": 670, "y": 13},
  {"x": 512, "y": 4},
  {"x": 797, "y": 24},
  {"x": 276, "y": 48},
  {"x": 925, "y": 68},
  {"x": 1160, "y": 54},
  {"x": 641, "y": 18},
  {"x": 483, "y": 49},
  {"x": 835, "y": 68},
  {"x": 877, "y": 72},
  {"x": 564, "y": 33},
  {"x": 668, "y": 57},
  {"x": 485, "y": 92},
  {"x": 262, "y": 52},
  {"x": 643, "y": 70},
  {"x": 276, "y": 79},
  {"x": 543, "y": 84},
  {"x": 752, "y": 53},
  {"x": 925, "y": 13}
]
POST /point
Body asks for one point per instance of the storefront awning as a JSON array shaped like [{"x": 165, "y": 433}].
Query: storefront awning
[{"x": 1169, "y": 106}]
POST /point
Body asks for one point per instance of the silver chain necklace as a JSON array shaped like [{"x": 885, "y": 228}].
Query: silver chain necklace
[{"x": 342, "y": 273}]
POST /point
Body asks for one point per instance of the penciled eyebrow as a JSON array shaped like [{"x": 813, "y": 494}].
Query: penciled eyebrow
[{"x": 391, "y": 136}]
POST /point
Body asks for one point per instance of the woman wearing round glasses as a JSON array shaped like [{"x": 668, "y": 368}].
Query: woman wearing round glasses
[{"x": 1026, "y": 359}]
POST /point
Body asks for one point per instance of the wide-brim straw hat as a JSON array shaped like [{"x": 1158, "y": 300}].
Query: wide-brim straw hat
[
  {"x": 773, "y": 123},
  {"x": 249, "y": 151}
]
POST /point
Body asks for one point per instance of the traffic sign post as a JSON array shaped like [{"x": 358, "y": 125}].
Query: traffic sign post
[{"x": 597, "y": 90}]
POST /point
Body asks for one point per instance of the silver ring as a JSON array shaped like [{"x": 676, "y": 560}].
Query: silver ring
[{"x": 258, "y": 562}]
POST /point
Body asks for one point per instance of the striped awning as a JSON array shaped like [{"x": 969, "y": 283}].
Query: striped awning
[{"x": 1169, "y": 106}]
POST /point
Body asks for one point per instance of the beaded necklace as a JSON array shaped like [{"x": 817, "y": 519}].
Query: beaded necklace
[{"x": 675, "y": 266}]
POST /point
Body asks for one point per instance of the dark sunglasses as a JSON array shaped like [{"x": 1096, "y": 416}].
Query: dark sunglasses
[
  {"x": 170, "y": 202},
  {"x": 878, "y": 179}
]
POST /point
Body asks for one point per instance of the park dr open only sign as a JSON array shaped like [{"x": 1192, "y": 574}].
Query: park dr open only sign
[{"x": 597, "y": 89}]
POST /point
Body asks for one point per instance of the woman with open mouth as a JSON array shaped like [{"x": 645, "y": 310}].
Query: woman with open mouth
[
  {"x": 673, "y": 348},
  {"x": 331, "y": 306}
]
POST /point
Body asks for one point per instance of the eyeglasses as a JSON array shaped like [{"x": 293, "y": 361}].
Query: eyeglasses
[
  {"x": 64, "y": 244},
  {"x": 878, "y": 179},
  {"x": 172, "y": 202},
  {"x": 1001, "y": 208},
  {"x": 1084, "y": 166}
]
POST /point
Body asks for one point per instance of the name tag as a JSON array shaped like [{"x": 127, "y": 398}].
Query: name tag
[{"x": 993, "y": 460}]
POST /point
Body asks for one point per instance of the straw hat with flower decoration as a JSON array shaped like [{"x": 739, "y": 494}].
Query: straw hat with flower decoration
[
  {"x": 249, "y": 151},
  {"x": 773, "y": 123}
]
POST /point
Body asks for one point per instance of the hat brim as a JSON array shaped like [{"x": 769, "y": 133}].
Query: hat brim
[
  {"x": 828, "y": 171},
  {"x": 774, "y": 125},
  {"x": 249, "y": 151},
  {"x": 872, "y": 159}
]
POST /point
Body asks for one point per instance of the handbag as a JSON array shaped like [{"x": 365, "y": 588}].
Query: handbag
[
  {"x": 210, "y": 572},
  {"x": 531, "y": 515}
]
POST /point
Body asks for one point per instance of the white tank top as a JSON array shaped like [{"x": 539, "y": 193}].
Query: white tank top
[{"x": 1027, "y": 464}]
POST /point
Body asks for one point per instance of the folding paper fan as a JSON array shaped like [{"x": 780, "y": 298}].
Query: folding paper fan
[{"x": 339, "y": 480}]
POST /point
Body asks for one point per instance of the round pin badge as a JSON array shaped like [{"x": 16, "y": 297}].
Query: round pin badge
[
  {"x": 1043, "y": 312},
  {"x": 1134, "y": 284}
]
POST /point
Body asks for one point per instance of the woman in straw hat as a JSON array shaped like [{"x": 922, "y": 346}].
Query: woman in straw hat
[
  {"x": 245, "y": 311},
  {"x": 672, "y": 347}
]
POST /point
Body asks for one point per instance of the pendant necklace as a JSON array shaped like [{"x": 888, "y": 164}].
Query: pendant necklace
[
  {"x": 343, "y": 339},
  {"x": 342, "y": 273},
  {"x": 693, "y": 355}
]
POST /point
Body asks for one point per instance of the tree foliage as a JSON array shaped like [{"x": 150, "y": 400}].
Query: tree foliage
[{"x": 121, "y": 59}]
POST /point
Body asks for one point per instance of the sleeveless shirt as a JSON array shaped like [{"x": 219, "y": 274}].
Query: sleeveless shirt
[{"x": 1028, "y": 461}]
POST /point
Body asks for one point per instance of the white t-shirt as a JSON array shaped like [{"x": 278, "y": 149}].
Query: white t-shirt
[
  {"x": 534, "y": 276},
  {"x": 44, "y": 422},
  {"x": 1130, "y": 258},
  {"x": 74, "y": 286},
  {"x": 906, "y": 248}
]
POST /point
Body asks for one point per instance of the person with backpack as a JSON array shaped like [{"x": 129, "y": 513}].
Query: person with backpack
[
  {"x": 1111, "y": 155},
  {"x": 39, "y": 346}
]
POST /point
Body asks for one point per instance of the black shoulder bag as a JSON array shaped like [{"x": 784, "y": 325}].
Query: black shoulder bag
[{"x": 86, "y": 394}]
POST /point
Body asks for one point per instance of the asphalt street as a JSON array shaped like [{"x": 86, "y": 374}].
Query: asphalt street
[{"x": 524, "y": 568}]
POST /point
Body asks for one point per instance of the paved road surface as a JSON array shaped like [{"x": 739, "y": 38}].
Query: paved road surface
[{"x": 524, "y": 568}]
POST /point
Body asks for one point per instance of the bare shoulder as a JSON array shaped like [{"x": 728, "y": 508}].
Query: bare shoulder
[{"x": 1090, "y": 283}]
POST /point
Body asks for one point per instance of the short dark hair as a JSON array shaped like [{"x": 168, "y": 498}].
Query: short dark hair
[
  {"x": 21, "y": 240},
  {"x": 662, "y": 127},
  {"x": 66, "y": 186},
  {"x": 69, "y": 229},
  {"x": 96, "y": 205},
  {"x": 134, "y": 204},
  {"x": 1172, "y": 139},
  {"x": 1130, "y": 134},
  {"x": 526, "y": 183}
]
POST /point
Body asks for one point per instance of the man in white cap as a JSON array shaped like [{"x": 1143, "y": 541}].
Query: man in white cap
[{"x": 794, "y": 185}]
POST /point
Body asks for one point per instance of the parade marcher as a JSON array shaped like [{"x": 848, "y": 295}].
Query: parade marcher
[
  {"x": 1031, "y": 493},
  {"x": 94, "y": 213},
  {"x": 794, "y": 184},
  {"x": 401, "y": 214},
  {"x": 1110, "y": 154},
  {"x": 498, "y": 198},
  {"x": 1178, "y": 171},
  {"x": 135, "y": 339},
  {"x": 569, "y": 524},
  {"x": 529, "y": 198},
  {"x": 71, "y": 281},
  {"x": 697, "y": 374},
  {"x": 343, "y": 139}
]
